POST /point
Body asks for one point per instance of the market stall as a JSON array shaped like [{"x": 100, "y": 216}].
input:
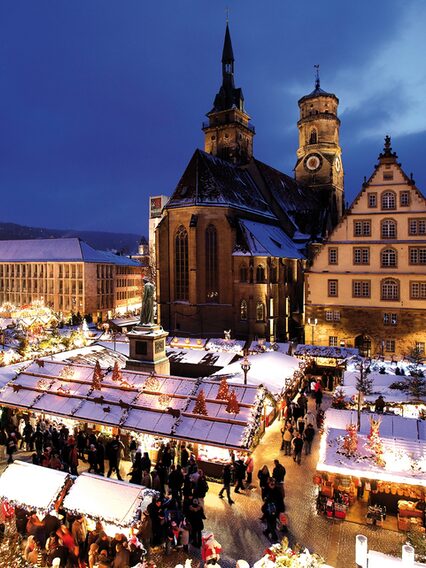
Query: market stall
[{"x": 376, "y": 475}]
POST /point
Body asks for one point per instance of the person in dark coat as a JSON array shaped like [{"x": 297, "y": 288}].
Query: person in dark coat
[
  {"x": 196, "y": 517},
  {"x": 146, "y": 462},
  {"x": 379, "y": 405},
  {"x": 226, "y": 479},
  {"x": 240, "y": 474},
  {"x": 308, "y": 438},
  {"x": 263, "y": 475},
  {"x": 92, "y": 458},
  {"x": 136, "y": 471},
  {"x": 278, "y": 474},
  {"x": 318, "y": 398},
  {"x": 184, "y": 456},
  {"x": 114, "y": 453},
  {"x": 297, "y": 444},
  {"x": 100, "y": 454},
  {"x": 176, "y": 483},
  {"x": 11, "y": 446},
  {"x": 156, "y": 514},
  {"x": 270, "y": 515}
]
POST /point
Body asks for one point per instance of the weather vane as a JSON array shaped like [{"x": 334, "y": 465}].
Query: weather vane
[
  {"x": 227, "y": 15},
  {"x": 317, "y": 77}
]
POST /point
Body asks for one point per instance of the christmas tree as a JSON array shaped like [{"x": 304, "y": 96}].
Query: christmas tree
[
  {"x": 97, "y": 377},
  {"x": 233, "y": 407},
  {"x": 350, "y": 441},
  {"x": 116, "y": 373},
  {"x": 375, "y": 443},
  {"x": 200, "y": 404},
  {"x": 223, "y": 391}
]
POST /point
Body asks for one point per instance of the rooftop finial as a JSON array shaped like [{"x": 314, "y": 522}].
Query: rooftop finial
[
  {"x": 227, "y": 15},
  {"x": 317, "y": 77},
  {"x": 387, "y": 149}
]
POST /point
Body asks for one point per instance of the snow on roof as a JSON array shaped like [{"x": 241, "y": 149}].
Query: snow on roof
[
  {"x": 70, "y": 249},
  {"x": 262, "y": 346},
  {"x": 404, "y": 444},
  {"x": 325, "y": 351},
  {"x": 268, "y": 240},
  {"x": 269, "y": 369},
  {"x": 200, "y": 357},
  {"x": 108, "y": 500},
  {"x": 117, "y": 346},
  {"x": 228, "y": 345},
  {"x": 186, "y": 342},
  {"x": 19, "y": 480}
]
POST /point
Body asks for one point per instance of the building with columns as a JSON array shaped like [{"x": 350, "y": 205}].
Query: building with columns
[
  {"x": 234, "y": 237},
  {"x": 366, "y": 287}
]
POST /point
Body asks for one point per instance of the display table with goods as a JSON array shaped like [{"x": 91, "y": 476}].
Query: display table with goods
[
  {"x": 281, "y": 555},
  {"x": 378, "y": 470}
]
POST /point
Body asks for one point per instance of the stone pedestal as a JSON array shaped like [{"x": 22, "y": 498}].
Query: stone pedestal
[{"x": 148, "y": 350}]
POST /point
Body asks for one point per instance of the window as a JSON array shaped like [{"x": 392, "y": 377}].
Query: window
[
  {"x": 332, "y": 288},
  {"x": 388, "y": 229},
  {"x": 387, "y": 175},
  {"x": 243, "y": 310},
  {"x": 390, "y": 345},
  {"x": 332, "y": 315},
  {"x": 388, "y": 200},
  {"x": 390, "y": 319},
  {"x": 388, "y": 258},
  {"x": 332, "y": 255},
  {"x": 390, "y": 289},
  {"x": 181, "y": 264},
  {"x": 243, "y": 273},
  {"x": 420, "y": 347},
  {"x": 361, "y": 288},
  {"x": 417, "y": 226},
  {"x": 404, "y": 198},
  {"x": 362, "y": 228},
  {"x": 332, "y": 341},
  {"x": 260, "y": 311},
  {"x": 418, "y": 290},
  {"x": 212, "y": 288},
  {"x": 361, "y": 255},
  {"x": 313, "y": 138},
  {"x": 417, "y": 255},
  {"x": 372, "y": 199},
  {"x": 260, "y": 274}
]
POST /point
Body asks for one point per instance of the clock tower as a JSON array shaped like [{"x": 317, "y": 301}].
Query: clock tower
[{"x": 319, "y": 156}]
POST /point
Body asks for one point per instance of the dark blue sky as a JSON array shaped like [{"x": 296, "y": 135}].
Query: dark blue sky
[{"x": 101, "y": 102}]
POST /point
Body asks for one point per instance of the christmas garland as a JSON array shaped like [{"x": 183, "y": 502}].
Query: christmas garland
[{"x": 254, "y": 420}]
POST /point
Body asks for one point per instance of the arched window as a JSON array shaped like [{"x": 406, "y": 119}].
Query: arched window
[
  {"x": 243, "y": 273},
  {"x": 260, "y": 274},
  {"x": 390, "y": 289},
  {"x": 313, "y": 137},
  {"x": 212, "y": 290},
  {"x": 389, "y": 257},
  {"x": 181, "y": 264},
  {"x": 388, "y": 200},
  {"x": 260, "y": 311},
  {"x": 388, "y": 229},
  {"x": 243, "y": 310}
]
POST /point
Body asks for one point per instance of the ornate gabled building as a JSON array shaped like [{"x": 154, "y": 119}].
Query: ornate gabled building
[
  {"x": 367, "y": 285},
  {"x": 233, "y": 240}
]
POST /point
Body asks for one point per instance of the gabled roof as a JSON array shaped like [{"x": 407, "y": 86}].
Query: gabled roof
[
  {"x": 58, "y": 250},
  {"x": 268, "y": 240}
]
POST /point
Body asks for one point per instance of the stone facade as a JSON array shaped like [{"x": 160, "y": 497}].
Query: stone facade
[{"x": 367, "y": 285}]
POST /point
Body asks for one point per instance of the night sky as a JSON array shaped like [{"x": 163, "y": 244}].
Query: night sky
[{"x": 101, "y": 101}]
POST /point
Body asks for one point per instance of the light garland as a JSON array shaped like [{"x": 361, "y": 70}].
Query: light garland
[
  {"x": 164, "y": 400},
  {"x": 67, "y": 372},
  {"x": 254, "y": 420},
  {"x": 151, "y": 383}
]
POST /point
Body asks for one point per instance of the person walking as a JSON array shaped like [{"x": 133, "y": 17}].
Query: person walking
[
  {"x": 287, "y": 438},
  {"x": 297, "y": 444},
  {"x": 114, "y": 451},
  {"x": 249, "y": 463},
  {"x": 263, "y": 475},
  {"x": 270, "y": 515},
  {"x": 318, "y": 395},
  {"x": 308, "y": 438},
  {"x": 278, "y": 473},
  {"x": 11, "y": 446},
  {"x": 226, "y": 479},
  {"x": 196, "y": 517},
  {"x": 240, "y": 473}
]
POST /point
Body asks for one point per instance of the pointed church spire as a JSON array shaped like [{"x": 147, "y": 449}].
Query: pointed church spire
[{"x": 227, "y": 53}]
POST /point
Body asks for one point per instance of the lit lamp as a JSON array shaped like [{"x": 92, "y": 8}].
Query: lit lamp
[
  {"x": 245, "y": 366},
  {"x": 312, "y": 322},
  {"x": 407, "y": 556},
  {"x": 361, "y": 551}
]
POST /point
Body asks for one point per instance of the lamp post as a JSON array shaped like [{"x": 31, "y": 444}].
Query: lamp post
[
  {"x": 312, "y": 322},
  {"x": 245, "y": 366}
]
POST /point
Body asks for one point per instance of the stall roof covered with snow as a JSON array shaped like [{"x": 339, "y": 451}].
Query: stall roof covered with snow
[
  {"x": 31, "y": 486},
  {"x": 153, "y": 404},
  {"x": 404, "y": 448},
  {"x": 325, "y": 351}
]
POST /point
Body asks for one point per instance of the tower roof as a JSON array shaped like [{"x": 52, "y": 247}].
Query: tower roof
[
  {"x": 317, "y": 92},
  {"x": 227, "y": 53}
]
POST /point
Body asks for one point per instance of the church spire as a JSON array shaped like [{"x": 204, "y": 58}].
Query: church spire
[{"x": 227, "y": 53}]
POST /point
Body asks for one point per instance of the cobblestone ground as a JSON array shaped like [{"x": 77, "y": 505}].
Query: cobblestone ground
[{"x": 239, "y": 529}]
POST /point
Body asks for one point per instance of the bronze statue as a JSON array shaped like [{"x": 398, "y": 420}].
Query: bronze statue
[{"x": 147, "y": 313}]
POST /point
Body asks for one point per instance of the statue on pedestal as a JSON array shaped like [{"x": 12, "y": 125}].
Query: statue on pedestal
[{"x": 147, "y": 313}]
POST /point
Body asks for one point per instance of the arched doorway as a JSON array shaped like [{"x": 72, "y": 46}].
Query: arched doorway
[{"x": 363, "y": 343}]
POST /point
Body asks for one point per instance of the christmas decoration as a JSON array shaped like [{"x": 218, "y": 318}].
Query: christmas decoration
[
  {"x": 97, "y": 377},
  {"x": 67, "y": 372},
  {"x": 251, "y": 431},
  {"x": 223, "y": 391},
  {"x": 200, "y": 404},
  {"x": 281, "y": 555},
  {"x": 63, "y": 389},
  {"x": 164, "y": 400},
  {"x": 350, "y": 441},
  {"x": 152, "y": 383},
  {"x": 116, "y": 373},
  {"x": 11, "y": 547},
  {"x": 375, "y": 443},
  {"x": 233, "y": 407}
]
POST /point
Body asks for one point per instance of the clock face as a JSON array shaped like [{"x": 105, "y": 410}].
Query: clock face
[
  {"x": 337, "y": 164},
  {"x": 313, "y": 162}
]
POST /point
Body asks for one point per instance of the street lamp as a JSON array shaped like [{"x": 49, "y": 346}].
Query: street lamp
[
  {"x": 312, "y": 322},
  {"x": 245, "y": 366}
]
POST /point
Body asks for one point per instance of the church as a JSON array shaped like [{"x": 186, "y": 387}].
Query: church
[{"x": 236, "y": 235}]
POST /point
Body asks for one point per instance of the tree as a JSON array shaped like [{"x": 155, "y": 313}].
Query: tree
[
  {"x": 364, "y": 385},
  {"x": 200, "y": 404},
  {"x": 415, "y": 384},
  {"x": 97, "y": 376},
  {"x": 233, "y": 407},
  {"x": 223, "y": 391},
  {"x": 350, "y": 441},
  {"x": 116, "y": 372}
]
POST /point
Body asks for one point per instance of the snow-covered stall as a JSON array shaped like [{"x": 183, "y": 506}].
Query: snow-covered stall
[
  {"x": 32, "y": 487},
  {"x": 117, "y": 504},
  {"x": 325, "y": 356},
  {"x": 384, "y": 463}
]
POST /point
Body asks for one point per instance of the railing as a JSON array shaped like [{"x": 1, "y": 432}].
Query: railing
[{"x": 247, "y": 125}]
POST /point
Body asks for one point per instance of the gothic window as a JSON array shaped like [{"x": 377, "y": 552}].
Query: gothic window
[
  {"x": 260, "y": 311},
  {"x": 388, "y": 229},
  {"x": 243, "y": 310},
  {"x": 390, "y": 289},
  {"x": 388, "y": 258},
  {"x": 389, "y": 200},
  {"x": 212, "y": 290},
  {"x": 243, "y": 273},
  {"x": 260, "y": 274},
  {"x": 313, "y": 137},
  {"x": 181, "y": 264}
]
